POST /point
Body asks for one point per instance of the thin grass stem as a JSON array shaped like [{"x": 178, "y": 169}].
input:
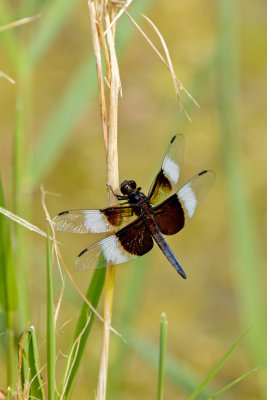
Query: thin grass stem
[
  {"x": 36, "y": 384},
  {"x": 219, "y": 392},
  {"x": 10, "y": 348},
  {"x": 217, "y": 367},
  {"x": 162, "y": 353},
  {"x": 8, "y": 393},
  {"x": 102, "y": 14},
  {"x": 19, "y": 22},
  {"x": 51, "y": 338}
]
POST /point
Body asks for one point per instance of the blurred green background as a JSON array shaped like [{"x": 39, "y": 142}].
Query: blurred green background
[{"x": 50, "y": 134}]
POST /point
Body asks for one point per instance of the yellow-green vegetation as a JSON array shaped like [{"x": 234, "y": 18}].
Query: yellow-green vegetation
[{"x": 50, "y": 339}]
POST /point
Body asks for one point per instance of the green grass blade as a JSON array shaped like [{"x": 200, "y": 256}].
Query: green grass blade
[
  {"x": 8, "y": 393},
  {"x": 8, "y": 37},
  {"x": 248, "y": 271},
  {"x": 36, "y": 388},
  {"x": 8, "y": 288},
  {"x": 217, "y": 367},
  {"x": 237, "y": 380},
  {"x": 93, "y": 295},
  {"x": 8, "y": 282},
  {"x": 59, "y": 127},
  {"x": 20, "y": 141},
  {"x": 54, "y": 16},
  {"x": 162, "y": 353},
  {"x": 10, "y": 348},
  {"x": 24, "y": 363},
  {"x": 51, "y": 337}
]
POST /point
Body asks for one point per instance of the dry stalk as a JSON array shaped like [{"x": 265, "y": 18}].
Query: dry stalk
[
  {"x": 102, "y": 18},
  {"x": 19, "y": 22},
  {"x": 7, "y": 77},
  {"x": 99, "y": 71},
  {"x": 23, "y": 222}
]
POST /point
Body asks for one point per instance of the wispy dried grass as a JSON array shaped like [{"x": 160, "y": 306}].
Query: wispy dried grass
[
  {"x": 7, "y": 77},
  {"x": 74, "y": 350},
  {"x": 15, "y": 24},
  {"x": 23, "y": 222},
  {"x": 178, "y": 86},
  {"x": 19, "y": 22}
]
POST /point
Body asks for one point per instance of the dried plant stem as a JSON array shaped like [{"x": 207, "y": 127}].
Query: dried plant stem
[
  {"x": 3, "y": 75},
  {"x": 19, "y": 22},
  {"x": 103, "y": 18},
  {"x": 102, "y": 13},
  {"x": 99, "y": 71}
]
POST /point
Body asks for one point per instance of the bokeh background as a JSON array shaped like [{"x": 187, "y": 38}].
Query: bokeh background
[{"x": 50, "y": 125}]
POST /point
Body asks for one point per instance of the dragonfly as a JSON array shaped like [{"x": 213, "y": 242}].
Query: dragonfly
[{"x": 140, "y": 220}]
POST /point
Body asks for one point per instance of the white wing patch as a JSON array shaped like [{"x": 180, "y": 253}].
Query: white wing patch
[
  {"x": 82, "y": 221},
  {"x": 187, "y": 195},
  {"x": 110, "y": 248},
  {"x": 95, "y": 222},
  {"x": 171, "y": 169},
  {"x": 113, "y": 252}
]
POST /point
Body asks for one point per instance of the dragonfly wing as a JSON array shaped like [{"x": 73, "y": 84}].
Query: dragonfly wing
[
  {"x": 130, "y": 242},
  {"x": 168, "y": 176},
  {"x": 93, "y": 221},
  {"x": 175, "y": 212}
]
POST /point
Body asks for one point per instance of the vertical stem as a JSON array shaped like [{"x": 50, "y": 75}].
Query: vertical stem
[
  {"x": 248, "y": 269},
  {"x": 162, "y": 353},
  {"x": 51, "y": 339},
  {"x": 18, "y": 150},
  {"x": 20, "y": 145},
  {"x": 108, "y": 303},
  {"x": 113, "y": 180},
  {"x": 97, "y": 51},
  {"x": 8, "y": 393},
  {"x": 100, "y": 13},
  {"x": 10, "y": 348}
]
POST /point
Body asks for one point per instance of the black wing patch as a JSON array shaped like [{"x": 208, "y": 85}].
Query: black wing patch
[
  {"x": 169, "y": 216},
  {"x": 136, "y": 238},
  {"x": 168, "y": 176},
  {"x": 127, "y": 244},
  {"x": 175, "y": 212}
]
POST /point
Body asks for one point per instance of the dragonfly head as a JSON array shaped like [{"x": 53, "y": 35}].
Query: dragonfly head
[{"x": 127, "y": 187}]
